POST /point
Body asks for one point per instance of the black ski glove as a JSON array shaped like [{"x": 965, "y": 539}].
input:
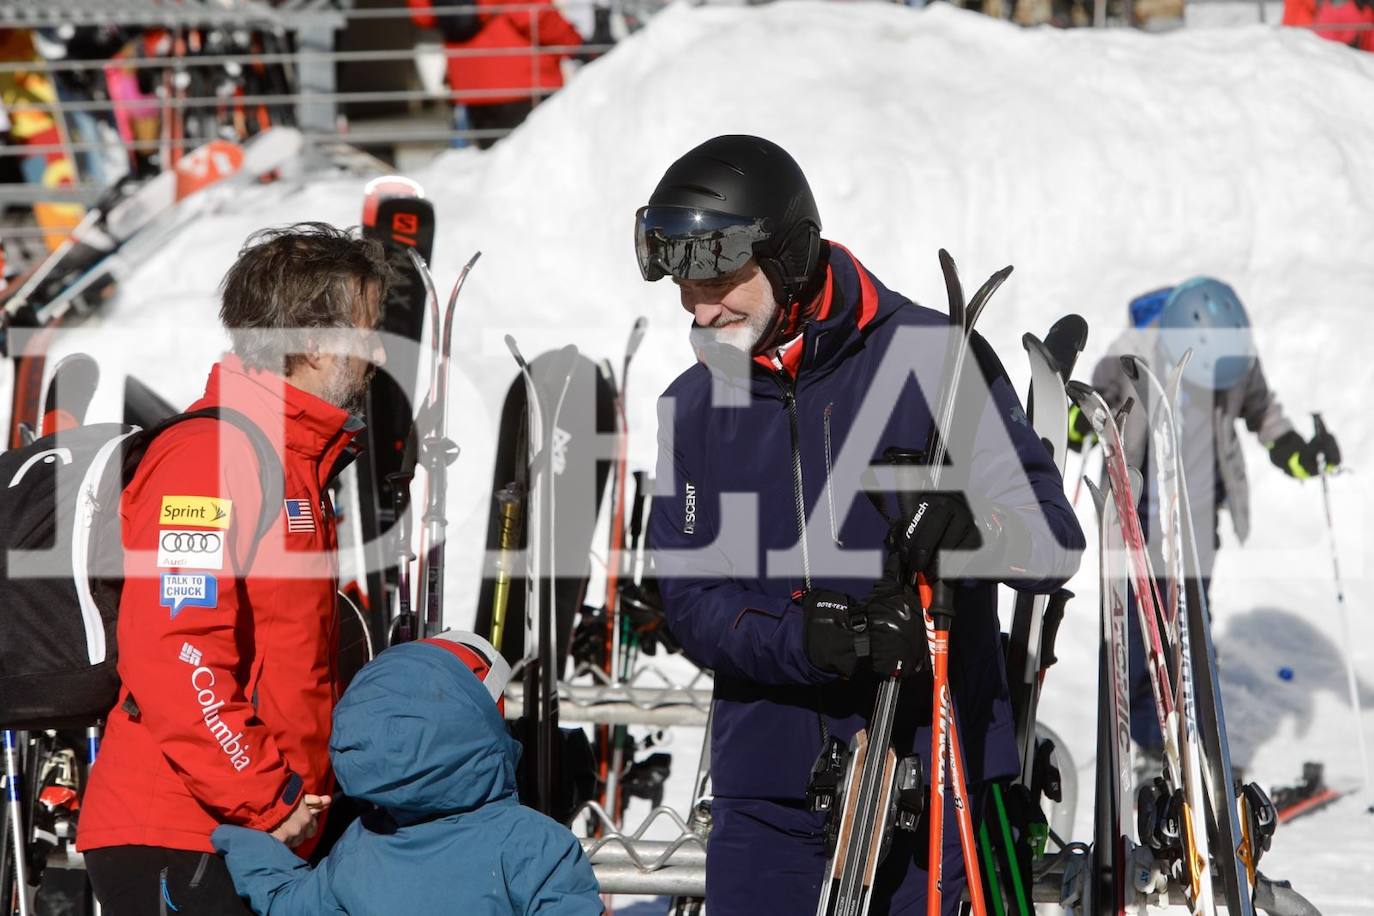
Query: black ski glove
[
  {"x": 885, "y": 628},
  {"x": 1301, "y": 460},
  {"x": 1081, "y": 433},
  {"x": 1324, "y": 447},
  {"x": 942, "y": 521}
]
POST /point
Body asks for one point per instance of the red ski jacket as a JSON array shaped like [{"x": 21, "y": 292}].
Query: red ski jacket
[
  {"x": 228, "y": 673},
  {"x": 506, "y": 75}
]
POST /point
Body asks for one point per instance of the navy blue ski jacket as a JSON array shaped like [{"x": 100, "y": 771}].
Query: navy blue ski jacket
[{"x": 724, "y": 530}]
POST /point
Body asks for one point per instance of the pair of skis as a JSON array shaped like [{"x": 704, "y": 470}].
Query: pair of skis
[
  {"x": 547, "y": 383},
  {"x": 543, "y": 403},
  {"x": 430, "y": 447},
  {"x": 876, "y": 790},
  {"x": 1014, "y": 810},
  {"x": 611, "y": 740},
  {"x": 1191, "y": 816},
  {"x": 376, "y": 489}
]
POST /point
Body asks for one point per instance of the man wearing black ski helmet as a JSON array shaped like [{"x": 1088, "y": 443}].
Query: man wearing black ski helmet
[
  {"x": 738, "y": 208},
  {"x": 797, "y": 595}
]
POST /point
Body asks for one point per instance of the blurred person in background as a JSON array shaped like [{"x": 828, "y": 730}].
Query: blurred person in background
[
  {"x": 1224, "y": 382},
  {"x": 1350, "y": 22},
  {"x": 500, "y": 88}
]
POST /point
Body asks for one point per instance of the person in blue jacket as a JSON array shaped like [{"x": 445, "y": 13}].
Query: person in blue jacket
[
  {"x": 419, "y": 735},
  {"x": 781, "y": 570}
]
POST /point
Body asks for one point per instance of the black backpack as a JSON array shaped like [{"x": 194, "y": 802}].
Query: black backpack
[{"x": 60, "y": 497}]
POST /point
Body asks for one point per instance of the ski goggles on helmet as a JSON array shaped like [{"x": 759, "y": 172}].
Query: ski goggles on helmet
[
  {"x": 481, "y": 657},
  {"x": 694, "y": 244}
]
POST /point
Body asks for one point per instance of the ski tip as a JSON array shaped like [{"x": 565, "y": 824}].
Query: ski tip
[
  {"x": 1130, "y": 364},
  {"x": 1096, "y": 492},
  {"x": 1029, "y": 341},
  {"x": 515, "y": 351},
  {"x": 1079, "y": 390},
  {"x": 416, "y": 259},
  {"x": 472, "y": 260},
  {"x": 1124, "y": 412},
  {"x": 1066, "y": 339},
  {"x": 1072, "y": 328},
  {"x": 1183, "y": 362},
  {"x": 636, "y": 336},
  {"x": 1137, "y": 480}
]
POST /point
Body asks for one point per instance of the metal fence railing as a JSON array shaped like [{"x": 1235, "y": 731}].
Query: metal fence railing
[{"x": 306, "y": 49}]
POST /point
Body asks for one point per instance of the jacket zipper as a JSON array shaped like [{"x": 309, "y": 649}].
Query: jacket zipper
[
  {"x": 789, "y": 397},
  {"x": 829, "y": 480}
]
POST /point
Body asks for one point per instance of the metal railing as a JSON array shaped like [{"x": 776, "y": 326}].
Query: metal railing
[{"x": 308, "y": 27}]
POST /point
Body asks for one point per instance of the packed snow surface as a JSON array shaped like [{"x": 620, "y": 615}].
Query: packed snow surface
[{"x": 1100, "y": 163}]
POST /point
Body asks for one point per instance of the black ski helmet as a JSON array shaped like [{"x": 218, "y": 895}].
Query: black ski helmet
[{"x": 731, "y": 196}]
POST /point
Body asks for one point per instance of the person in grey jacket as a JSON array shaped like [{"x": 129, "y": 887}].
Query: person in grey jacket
[{"x": 1224, "y": 382}]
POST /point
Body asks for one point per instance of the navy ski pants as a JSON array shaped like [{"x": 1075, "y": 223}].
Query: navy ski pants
[{"x": 767, "y": 856}]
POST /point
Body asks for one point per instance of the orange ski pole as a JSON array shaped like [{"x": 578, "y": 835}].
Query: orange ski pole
[{"x": 945, "y": 754}]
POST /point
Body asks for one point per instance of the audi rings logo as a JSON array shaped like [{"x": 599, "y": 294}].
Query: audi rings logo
[
  {"x": 191, "y": 541},
  {"x": 184, "y": 548}
]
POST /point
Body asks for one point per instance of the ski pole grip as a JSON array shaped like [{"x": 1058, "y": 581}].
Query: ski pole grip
[
  {"x": 1054, "y": 615},
  {"x": 938, "y": 599}
]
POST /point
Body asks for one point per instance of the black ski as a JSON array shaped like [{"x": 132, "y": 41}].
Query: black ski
[
  {"x": 545, "y": 393},
  {"x": 395, "y": 213}
]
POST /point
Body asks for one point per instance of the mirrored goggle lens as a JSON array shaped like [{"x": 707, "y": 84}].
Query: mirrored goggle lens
[{"x": 693, "y": 244}]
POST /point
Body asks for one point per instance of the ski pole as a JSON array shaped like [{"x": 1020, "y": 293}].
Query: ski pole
[
  {"x": 946, "y": 759},
  {"x": 1083, "y": 469},
  {"x": 16, "y": 809},
  {"x": 1345, "y": 616},
  {"x": 92, "y": 751},
  {"x": 508, "y": 503}
]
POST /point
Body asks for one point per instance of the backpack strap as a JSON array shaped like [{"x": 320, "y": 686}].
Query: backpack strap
[{"x": 269, "y": 465}]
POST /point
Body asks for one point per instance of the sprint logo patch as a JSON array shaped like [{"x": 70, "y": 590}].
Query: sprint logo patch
[
  {"x": 182, "y": 590},
  {"x": 197, "y": 511}
]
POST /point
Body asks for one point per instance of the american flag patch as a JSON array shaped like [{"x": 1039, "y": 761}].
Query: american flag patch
[{"x": 298, "y": 515}]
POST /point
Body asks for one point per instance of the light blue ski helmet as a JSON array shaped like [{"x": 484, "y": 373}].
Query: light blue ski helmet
[{"x": 1207, "y": 316}]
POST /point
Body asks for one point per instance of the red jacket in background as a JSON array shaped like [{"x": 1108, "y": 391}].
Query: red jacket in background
[
  {"x": 228, "y": 676},
  {"x": 506, "y": 76},
  {"x": 1328, "y": 15},
  {"x": 1346, "y": 13}
]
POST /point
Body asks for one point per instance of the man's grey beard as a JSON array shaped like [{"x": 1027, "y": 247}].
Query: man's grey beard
[
  {"x": 742, "y": 334},
  {"x": 346, "y": 393}
]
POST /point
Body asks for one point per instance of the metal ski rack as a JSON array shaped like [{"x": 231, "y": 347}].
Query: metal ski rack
[
  {"x": 626, "y": 863},
  {"x": 648, "y": 697}
]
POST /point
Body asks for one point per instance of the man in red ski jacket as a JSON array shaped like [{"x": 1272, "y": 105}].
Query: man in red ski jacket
[
  {"x": 501, "y": 87},
  {"x": 226, "y": 642}
]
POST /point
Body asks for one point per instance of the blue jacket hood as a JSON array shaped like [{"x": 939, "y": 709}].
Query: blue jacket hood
[{"x": 416, "y": 733}]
